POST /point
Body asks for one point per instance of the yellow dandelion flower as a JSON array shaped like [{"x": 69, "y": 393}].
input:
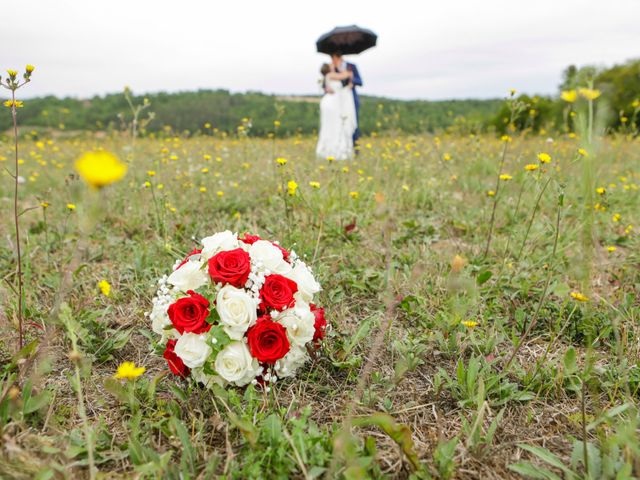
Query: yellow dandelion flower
[
  {"x": 531, "y": 167},
  {"x": 589, "y": 93},
  {"x": 446, "y": 157},
  {"x": 582, "y": 152},
  {"x": 314, "y": 184},
  {"x": 569, "y": 96},
  {"x": 147, "y": 184},
  {"x": 330, "y": 159},
  {"x": 44, "y": 204},
  {"x": 71, "y": 206},
  {"x": 354, "y": 195},
  {"x": 281, "y": 161},
  {"x": 30, "y": 68},
  {"x": 616, "y": 217},
  {"x": 160, "y": 186},
  {"x": 505, "y": 138},
  {"x": 276, "y": 123},
  {"x": 105, "y": 287},
  {"x": 345, "y": 169},
  {"x": 220, "y": 193},
  {"x": 505, "y": 177},
  {"x": 491, "y": 193},
  {"x": 292, "y": 186},
  {"x": 129, "y": 371},
  {"x": 204, "y": 170},
  {"x": 601, "y": 190},
  {"x": 151, "y": 173},
  {"x": 100, "y": 168},
  {"x": 579, "y": 297},
  {"x": 12, "y": 73},
  {"x": 203, "y": 189},
  {"x": 544, "y": 157},
  {"x": 405, "y": 188},
  {"x": 611, "y": 248},
  {"x": 469, "y": 323}
]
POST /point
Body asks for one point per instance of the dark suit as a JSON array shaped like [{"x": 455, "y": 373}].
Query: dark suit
[{"x": 357, "y": 82}]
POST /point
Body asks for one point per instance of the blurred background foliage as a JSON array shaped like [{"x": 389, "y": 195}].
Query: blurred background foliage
[{"x": 207, "y": 110}]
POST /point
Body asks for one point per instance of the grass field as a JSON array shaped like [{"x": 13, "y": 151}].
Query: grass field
[{"x": 481, "y": 326}]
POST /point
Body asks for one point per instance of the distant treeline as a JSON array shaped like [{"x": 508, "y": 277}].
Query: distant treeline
[{"x": 206, "y": 110}]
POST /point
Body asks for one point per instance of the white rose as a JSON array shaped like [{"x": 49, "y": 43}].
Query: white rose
[
  {"x": 235, "y": 364},
  {"x": 192, "y": 349},
  {"x": 237, "y": 311},
  {"x": 160, "y": 319},
  {"x": 219, "y": 242},
  {"x": 207, "y": 380},
  {"x": 307, "y": 285},
  {"x": 269, "y": 256},
  {"x": 300, "y": 324},
  {"x": 189, "y": 276},
  {"x": 294, "y": 359}
]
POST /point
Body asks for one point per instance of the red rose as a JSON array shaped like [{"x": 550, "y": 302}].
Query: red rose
[
  {"x": 267, "y": 340},
  {"x": 189, "y": 314},
  {"x": 277, "y": 292},
  {"x": 249, "y": 239},
  {"x": 320, "y": 323},
  {"x": 232, "y": 267},
  {"x": 195, "y": 251},
  {"x": 176, "y": 365}
]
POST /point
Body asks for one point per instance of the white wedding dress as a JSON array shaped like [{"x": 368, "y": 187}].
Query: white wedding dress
[{"x": 337, "y": 123}]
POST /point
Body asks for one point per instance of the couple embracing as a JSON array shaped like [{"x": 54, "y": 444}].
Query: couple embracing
[{"x": 338, "y": 109}]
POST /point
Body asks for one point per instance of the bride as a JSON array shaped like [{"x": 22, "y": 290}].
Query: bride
[{"x": 337, "y": 115}]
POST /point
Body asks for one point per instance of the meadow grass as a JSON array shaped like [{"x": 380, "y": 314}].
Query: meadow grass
[{"x": 447, "y": 356}]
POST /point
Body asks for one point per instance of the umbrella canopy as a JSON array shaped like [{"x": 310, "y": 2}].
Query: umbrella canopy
[{"x": 346, "y": 40}]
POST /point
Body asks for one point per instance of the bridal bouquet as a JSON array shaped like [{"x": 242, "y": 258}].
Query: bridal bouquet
[{"x": 237, "y": 311}]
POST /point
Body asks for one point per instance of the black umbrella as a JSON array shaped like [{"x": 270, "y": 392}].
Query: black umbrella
[{"x": 346, "y": 40}]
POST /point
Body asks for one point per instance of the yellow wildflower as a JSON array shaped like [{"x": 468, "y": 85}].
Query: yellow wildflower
[
  {"x": 579, "y": 297},
  {"x": 491, "y": 193},
  {"x": 345, "y": 169},
  {"x": 203, "y": 189},
  {"x": 104, "y": 287},
  {"x": 569, "y": 96},
  {"x": 611, "y": 248},
  {"x": 220, "y": 193},
  {"x": 544, "y": 157},
  {"x": 469, "y": 323},
  {"x": 354, "y": 195},
  {"x": 100, "y": 168},
  {"x": 582, "y": 152},
  {"x": 129, "y": 371},
  {"x": 589, "y": 93},
  {"x": 292, "y": 186},
  {"x": 281, "y": 161},
  {"x": 446, "y": 157},
  {"x": 314, "y": 184},
  {"x": 601, "y": 190},
  {"x": 330, "y": 159},
  {"x": 531, "y": 167},
  {"x": 71, "y": 206},
  {"x": 30, "y": 68},
  {"x": 505, "y": 138},
  {"x": 616, "y": 217},
  {"x": 276, "y": 123},
  {"x": 151, "y": 173},
  {"x": 505, "y": 177},
  {"x": 12, "y": 73},
  {"x": 405, "y": 188},
  {"x": 44, "y": 204}
]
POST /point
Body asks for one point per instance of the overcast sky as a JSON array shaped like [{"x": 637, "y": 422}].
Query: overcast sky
[{"x": 429, "y": 49}]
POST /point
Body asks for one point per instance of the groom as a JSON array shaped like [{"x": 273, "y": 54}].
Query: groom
[{"x": 341, "y": 65}]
